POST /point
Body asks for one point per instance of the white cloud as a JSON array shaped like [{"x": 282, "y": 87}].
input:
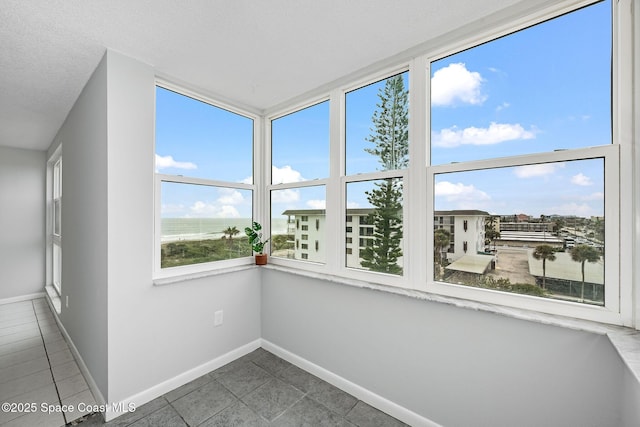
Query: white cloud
[
  {"x": 455, "y": 84},
  {"x": 317, "y": 204},
  {"x": 212, "y": 210},
  {"x": 281, "y": 175},
  {"x": 494, "y": 134},
  {"x": 531, "y": 171},
  {"x": 464, "y": 196},
  {"x": 230, "y": 196},
  {"x": 581, "y": 179},
  {"x": 164, "y": 162},
  {"x": 285, "y": 196},
  {"x": 285, "y": 174},
  {"x": 503, "y": 106}
]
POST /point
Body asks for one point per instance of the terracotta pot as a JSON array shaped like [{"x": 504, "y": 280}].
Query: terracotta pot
[{"x": 261, "y": 259}]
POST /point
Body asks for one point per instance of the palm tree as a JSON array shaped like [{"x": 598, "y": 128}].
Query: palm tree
[
  {"x": 544, "y": 253},
  {"x": 582, "y": 254},
  {"x": 231, "y": 231}
]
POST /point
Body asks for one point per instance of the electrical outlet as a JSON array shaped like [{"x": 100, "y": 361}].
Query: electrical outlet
[{"x": 218, "y": 318}]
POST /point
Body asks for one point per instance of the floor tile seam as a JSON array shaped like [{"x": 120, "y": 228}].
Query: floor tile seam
[
  {"x": 23, "y": 375},
  {"x": 167, "y": 403},
  {"x": 6, "y": 324},
  {"x": 19, "y": 360},
  {"x": 18, "y": 335},
  {"x": 289, "y": 407},
  {"x": 309, "y": 394},
  {"x": 55, "y": 384},
  {"x": 237, "y": 399}
]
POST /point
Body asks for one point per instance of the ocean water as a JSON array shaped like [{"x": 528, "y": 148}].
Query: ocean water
[{"x": 174, "y": 229}]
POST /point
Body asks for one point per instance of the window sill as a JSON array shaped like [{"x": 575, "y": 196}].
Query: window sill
[
  {"x": 626, "y": 341},
  {"x": 161, "y": 281}
]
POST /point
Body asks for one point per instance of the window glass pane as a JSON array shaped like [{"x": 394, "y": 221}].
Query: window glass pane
[
  {"x": 203, "y": 223},
  {"x": 199, "y": 140},
  {"x": 298, "y": 225},
  {"x": 541, "y": 89},
  {"x": 300, "y": 145},
  {"x": 374, "y": 232},
  {"x": 528, "y": 229},
  {"x": 57, "y": 220},
  {"x": 377, "y": 126},
  {"x": 56, "y": 265}
]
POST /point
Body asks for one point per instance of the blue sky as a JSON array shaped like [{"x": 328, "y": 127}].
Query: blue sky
[{"x": 539, "y": 90}]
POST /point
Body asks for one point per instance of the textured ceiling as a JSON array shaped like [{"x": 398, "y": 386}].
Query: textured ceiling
[{"x": 253, "y": 53}]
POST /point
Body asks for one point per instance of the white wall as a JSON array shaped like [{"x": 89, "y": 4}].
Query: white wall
[
  {"x": 22, "y": 222},
  {"x": 454, "y": 366},
  {"x": 84, "y": 225},
  {"x": 133, "y": 335}
]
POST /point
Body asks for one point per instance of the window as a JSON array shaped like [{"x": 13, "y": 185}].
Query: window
[
  {"x": 54, "y": 178},
  {"x": 471, "y": 156},
  {"x": 299, "y": 171},
  {"x": 377, "y": 157},
  {"x": 204, "y": 182},
  {"x": 522, "y": 163}
]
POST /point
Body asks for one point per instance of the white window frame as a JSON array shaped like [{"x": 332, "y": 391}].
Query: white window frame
[
  {"x": 270, "y": 187},
  {"x": 618, "y": 279},
  {"x": 54, "y": 190},
  {"x": 199, "y": 268}
]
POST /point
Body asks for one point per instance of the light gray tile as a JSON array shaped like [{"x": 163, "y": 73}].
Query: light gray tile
[
  {"x": 309, "y": 413},
  {"x": 13, "y": 347},
  {"x": 79, "y": 405},
  {"x": 66, "y": 370},
  {"x": 187, "y": 388},
  {"x": 238, "y": 415},
  {"x": 22, "y": 369},
  {"x": 244, "y": 378},
  {"x": 203, "y": 403},
  {"x": 46, "y": 394},
  {"x": 19, "y": 336},
  {"x": 50, "y": 330},
  {"x": 72, "y": 385},
  {"x": 364, "y": 415},
  {"x": 22, "y": 320},
  {"x": 55, "y": 346},
  {"x": 25, "y": 384},
  {"x": 272, "y": 398},
  {"x": 52, "y": 337},
  {"x": 60, "y": 357},
  {"x": 22, "y": 356},
  {"x": 38, "y": 419},
  {"x": 165, "y": 417},
  {"x": 22, "y": 327},
  {"x": 16, "y": 307},
  {"x": 271, "y": 363}
]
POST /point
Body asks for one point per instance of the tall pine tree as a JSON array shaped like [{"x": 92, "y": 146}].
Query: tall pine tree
[{"x": 390, "y": 135}]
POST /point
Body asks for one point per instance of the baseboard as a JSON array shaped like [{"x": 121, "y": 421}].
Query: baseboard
[
  {"x": 164, "y": 387},
  {"x": 21, "y": 298},
  {"x": 403, "y": 414}
]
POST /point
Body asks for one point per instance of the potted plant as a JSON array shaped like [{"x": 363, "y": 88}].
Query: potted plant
[{"x": 254, "y": 234}]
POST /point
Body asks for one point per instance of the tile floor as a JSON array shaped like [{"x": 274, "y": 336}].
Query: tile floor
[
  {"x": 259, "y": 389},
  {"x": 37, "y": 368}
]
